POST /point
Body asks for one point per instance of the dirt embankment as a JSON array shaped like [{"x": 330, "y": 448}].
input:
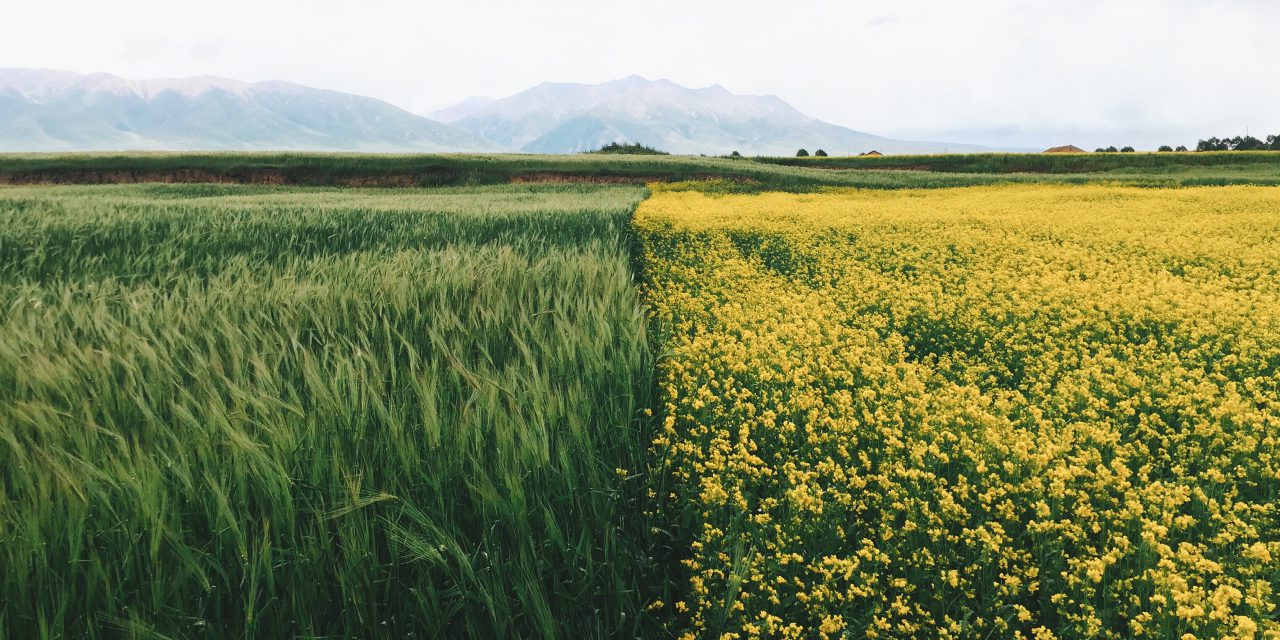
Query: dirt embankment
[
  {"x": 583, "y": 178},
  {"x": 94, "y": 176},
  {"x": 431, "y": 178},
  {"x": 257, "y": 176},
  {"x": 905, "y": 167},
  {"x": 592, "y": 178}
]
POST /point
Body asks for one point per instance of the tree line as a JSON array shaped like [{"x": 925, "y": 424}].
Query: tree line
[{"x": 1238, "y": 143}]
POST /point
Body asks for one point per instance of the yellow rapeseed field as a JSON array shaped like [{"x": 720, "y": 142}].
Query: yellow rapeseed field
[{"x": 1013, "y": 411}]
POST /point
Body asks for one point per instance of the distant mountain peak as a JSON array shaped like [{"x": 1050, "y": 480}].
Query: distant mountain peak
[
  {"x": 38, "y": 84},
  {"x": 47, "y": 110},
  {"x": 566, "y": 117},
  {"x": 461, "y": 110}
]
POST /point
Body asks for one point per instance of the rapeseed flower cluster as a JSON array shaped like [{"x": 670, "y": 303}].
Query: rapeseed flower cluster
[{"x": 1016, "y": 411}]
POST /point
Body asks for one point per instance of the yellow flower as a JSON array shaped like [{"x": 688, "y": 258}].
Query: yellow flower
[{"x": 905, "y": 407}]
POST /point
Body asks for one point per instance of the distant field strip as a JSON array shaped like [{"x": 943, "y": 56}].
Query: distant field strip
[
  {"x": 1014, "y": 411},
  {"x": 231, "y": 411},
  {"x": 784, "y": 174}
]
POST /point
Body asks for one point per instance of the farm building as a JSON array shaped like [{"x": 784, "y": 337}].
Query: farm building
[
  {"x": 1071, "y": 148},
  {"x": 872, "y": 153}
]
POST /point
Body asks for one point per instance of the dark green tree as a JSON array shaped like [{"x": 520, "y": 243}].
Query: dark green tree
[
  {"x": 624, "y": 148},
  {"x": 1127, "y": 150},
  {"x": 1213, "y": 144},
  {"x": 735, "y": 154},
  {"x": 820, "y": 153},
  {"x": 1247, "y": 143},
  {"x": 1181, "y": 147},
  {"x": 802, "y": 154},
  {"x": 1164, "y": 148}
]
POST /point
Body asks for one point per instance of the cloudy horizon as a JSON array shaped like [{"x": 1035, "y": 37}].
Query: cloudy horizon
[{"x": 997, "y": 73}]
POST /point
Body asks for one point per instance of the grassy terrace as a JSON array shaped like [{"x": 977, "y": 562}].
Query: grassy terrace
[{"x": 316, "y": 169}]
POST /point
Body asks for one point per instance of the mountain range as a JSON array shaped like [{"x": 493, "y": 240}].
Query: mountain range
[
  {"x": 62, "y": 111},
  {"x": 568, "y": 118},
  {"x": 42, "y": 110}
]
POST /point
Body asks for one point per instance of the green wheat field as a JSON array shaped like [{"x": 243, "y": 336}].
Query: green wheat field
[{"x": 280, "y": 412}]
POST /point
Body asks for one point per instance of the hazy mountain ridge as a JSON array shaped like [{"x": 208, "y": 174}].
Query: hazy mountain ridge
[
  {"x": 571, "y": 117},
  {"x": 43, "y": 110},
  {"x": 63, "y": 111},
  {"x": 460, "y": 110}
]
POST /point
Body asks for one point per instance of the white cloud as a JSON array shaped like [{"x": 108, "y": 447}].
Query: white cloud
[{"x": 1017, "y": 72}]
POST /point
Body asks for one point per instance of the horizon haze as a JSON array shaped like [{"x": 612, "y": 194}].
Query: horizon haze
[
  {"x": 65, "y": 111},
  {"x": 999, "y": 73}
]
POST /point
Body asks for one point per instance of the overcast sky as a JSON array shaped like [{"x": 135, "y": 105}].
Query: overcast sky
[{"x": 1000, "y": 72}]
